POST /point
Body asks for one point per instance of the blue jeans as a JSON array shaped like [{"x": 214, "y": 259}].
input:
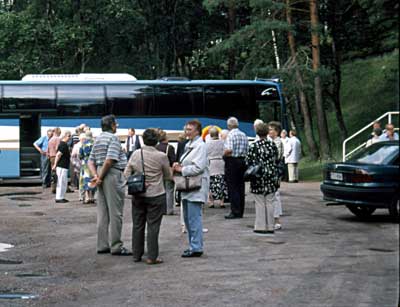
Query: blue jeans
[
  {"x": 45, "y": 170},
  {"x": 192, "y": 213}
]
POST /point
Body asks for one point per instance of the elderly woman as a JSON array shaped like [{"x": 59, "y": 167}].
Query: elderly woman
[
  {"x": 215, "y": 150},
  {"x": 148, "y": 207},
  {"x": 86, "y": 175},
  {"x": 192, "y": 163},
  {"x": 263, "y": 152}
]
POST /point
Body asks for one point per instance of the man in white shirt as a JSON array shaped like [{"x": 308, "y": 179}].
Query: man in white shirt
[
  {"x": 132, "y": 142},
  {"x": 292, "y": 156}
]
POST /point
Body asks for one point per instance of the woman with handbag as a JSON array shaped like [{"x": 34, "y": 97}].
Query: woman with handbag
[
  {"x": 266, "y": 182},
  {"x": 193, "y": 168},
  {"x": 148, "y": 206}
]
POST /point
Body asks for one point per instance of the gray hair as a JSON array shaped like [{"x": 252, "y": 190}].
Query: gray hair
[
  {"x": 232, "y": 122},
  {"x": 82, "y": 136},
  {"x": 258, "y": 121},
  {"x": 89, "y": 134},
  {"x": 213, "y": 131}
]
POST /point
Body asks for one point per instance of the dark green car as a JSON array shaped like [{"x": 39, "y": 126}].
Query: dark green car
[{"x": 367, "y": 181}]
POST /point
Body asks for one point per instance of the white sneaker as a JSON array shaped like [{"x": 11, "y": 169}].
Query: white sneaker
[
  {"x": 277, "y": 226},
  {"x": 205, "y": 230}
]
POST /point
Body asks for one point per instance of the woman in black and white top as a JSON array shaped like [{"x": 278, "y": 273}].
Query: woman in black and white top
[{"x": 264, "y": 152}]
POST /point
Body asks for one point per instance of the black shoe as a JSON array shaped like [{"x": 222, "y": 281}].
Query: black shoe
[
  {"x": 122, "y": 252},
  {"x": 137, "y": 259},
  {"x": 62, "y": 200},
  {"x": 264, "y": 231},
  {"x": 232, "y": 216},
  {"x": 190, "y": 254},
  {"x": 104, "y": 251}
]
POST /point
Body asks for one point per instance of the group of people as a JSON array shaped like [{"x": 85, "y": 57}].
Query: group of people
[
  {"x": 64, "y": 154},
  {"x": 379, "y": 135},
  {"x": 220, "y": 160}
]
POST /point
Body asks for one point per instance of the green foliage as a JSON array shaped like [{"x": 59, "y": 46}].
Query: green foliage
[{"x": 369, "y": 89}]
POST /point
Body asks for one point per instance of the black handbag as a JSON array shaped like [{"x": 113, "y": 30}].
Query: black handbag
[
  {"x": 136, "y": 182},
  {"x": 251, "y": 172}
]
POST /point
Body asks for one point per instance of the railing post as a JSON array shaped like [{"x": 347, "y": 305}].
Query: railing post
[{"x": 390, "y": 118}]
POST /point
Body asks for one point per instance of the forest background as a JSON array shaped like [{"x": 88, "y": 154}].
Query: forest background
[{"x": 337, "y": 59}]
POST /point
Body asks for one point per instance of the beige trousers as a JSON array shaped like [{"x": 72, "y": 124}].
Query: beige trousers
[
  {"x": 264, "y": 212},
  {"x": 110, "y": 208},
  {"x": 293, "y": 172}
]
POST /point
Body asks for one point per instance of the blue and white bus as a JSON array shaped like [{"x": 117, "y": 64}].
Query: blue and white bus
[{"x": 38, "y": 102}]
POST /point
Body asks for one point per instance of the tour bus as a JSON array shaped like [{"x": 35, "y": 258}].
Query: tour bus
[{"x": 30, "y": 106}]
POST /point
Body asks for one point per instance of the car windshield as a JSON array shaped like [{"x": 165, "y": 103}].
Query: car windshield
[{"x": 378, "y": 154}]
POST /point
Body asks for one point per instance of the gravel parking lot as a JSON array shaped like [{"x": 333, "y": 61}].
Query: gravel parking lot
[{"x": 323, "y": 256}]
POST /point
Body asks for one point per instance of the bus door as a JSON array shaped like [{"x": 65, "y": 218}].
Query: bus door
[
  {"x": 9, "y": 147},
  {"x": 29, "y": 132}
]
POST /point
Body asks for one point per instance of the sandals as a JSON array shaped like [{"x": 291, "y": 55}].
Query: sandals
[{"x": 156, "y": 261}]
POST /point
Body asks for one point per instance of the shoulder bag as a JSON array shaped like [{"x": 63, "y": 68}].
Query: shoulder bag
[
  {"x": 136, "y": 182},
  {"x": 187, "y": 183}
]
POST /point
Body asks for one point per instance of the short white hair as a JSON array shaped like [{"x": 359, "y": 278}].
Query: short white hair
[
  {"x": 232, "y": 122},
  {"x": 258, "y": 121},
  {"x": 82, "y": 136}
]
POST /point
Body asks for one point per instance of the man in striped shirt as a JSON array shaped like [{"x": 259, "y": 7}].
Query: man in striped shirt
[
  {"x": 107, "y": 162},
  {"x": 236, "y": 146}
]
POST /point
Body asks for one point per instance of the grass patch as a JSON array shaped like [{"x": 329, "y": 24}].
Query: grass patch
[{"x": 310, "y": 170}]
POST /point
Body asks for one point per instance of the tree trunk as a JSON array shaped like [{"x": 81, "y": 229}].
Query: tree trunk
[
  {"x": 338, "y": 74},
  {"x": 305, "y": 110},
  {"x": 321, "y": 116},
  {"x": 336, "y": 93}
]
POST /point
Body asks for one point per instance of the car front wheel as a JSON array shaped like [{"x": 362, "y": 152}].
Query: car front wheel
[
  {"x": 361, "y": 211},
  {"x": 394, "y": 210}
]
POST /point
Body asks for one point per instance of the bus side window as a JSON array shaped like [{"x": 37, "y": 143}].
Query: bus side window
[
  {"x": 230, "y": 100},
  {"x": 172, "y": 99},
  {"x": 129, "y": 99},
  {"x": 28, "y": 97},
  {"x": 75, "y": 100}
]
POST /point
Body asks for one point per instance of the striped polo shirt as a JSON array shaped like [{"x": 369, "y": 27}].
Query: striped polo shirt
[{"x": 107, "y": 146}]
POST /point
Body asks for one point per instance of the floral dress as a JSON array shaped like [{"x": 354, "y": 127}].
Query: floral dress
[
  {"x": 265, "y": 153},
  {"x": 86, "y": 176},
  {"x": 215, "y": 151}
]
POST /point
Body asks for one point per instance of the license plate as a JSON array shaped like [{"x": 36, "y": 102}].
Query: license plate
[{"x": 336, "y": 176}]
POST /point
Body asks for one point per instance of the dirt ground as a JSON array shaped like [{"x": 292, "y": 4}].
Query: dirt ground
[{"x": 323, "y": 256}]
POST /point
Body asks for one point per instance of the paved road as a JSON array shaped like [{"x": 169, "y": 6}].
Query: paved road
[{"x": 324, "y": 256}]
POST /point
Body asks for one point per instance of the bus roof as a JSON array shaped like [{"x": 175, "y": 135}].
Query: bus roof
[{"x": 79, "y": 77}]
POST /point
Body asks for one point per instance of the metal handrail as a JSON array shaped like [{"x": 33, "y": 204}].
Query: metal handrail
[{"x": 387, "y": 114}]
